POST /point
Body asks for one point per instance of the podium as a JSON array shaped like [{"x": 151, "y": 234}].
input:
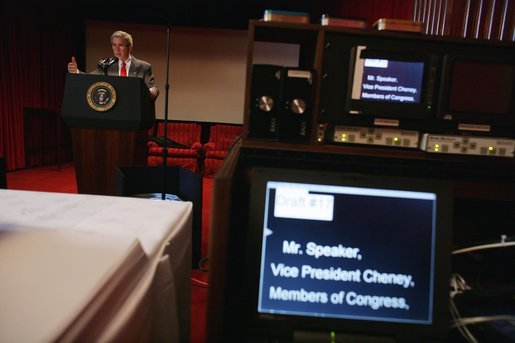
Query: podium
[{"x": 109, "y": 118}]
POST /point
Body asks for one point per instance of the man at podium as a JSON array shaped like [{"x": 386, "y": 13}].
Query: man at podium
[{"x": 124, "y": 64}]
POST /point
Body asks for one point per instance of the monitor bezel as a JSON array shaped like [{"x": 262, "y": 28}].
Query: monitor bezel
[
  {"x": 485, "y": 118},
  {"x": 285, "y": 326}
]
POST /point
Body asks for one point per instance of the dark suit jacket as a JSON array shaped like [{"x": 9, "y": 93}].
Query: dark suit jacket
[{"x": 139, "y": 68}]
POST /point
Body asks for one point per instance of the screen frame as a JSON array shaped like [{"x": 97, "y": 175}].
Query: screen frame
[
  {"x": 389, "y": 109},
  {"x": 285, "y": 326},
  {"x": 485, "y": 118}
]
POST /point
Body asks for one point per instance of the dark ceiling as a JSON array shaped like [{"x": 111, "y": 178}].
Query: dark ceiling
[{"x": 231, "y": 14}]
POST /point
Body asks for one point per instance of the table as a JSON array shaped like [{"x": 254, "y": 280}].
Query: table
[{"x": 78, "y": 267}]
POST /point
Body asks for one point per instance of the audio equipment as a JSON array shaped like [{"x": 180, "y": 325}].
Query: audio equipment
[
  {"x": 265, "y": 101},
  {"x": 468, "y": 145},
  {"x": 297, "y": 105},
  {"x": 376, "y": 136}
]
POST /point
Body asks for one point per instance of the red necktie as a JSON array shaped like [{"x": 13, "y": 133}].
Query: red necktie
[{"x": 123, "y": 71}]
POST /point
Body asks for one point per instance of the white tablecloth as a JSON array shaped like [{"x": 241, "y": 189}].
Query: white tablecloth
[{"x": 100, "y": 268}]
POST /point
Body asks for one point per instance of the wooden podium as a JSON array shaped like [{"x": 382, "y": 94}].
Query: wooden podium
[{"x": 109, "y": 118}]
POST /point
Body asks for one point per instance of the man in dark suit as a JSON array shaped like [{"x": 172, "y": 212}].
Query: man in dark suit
[{"x": 127, "y": 65}]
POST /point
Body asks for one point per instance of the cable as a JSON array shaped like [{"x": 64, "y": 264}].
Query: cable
[
  {"x": 463, "y": 329},
  {"x": 201, "y": 267},
  {"x": 477, "y": 320},
  {"x": 458, "y": 285},
  {"x": 199, "y": 283},
  {"x": 504, "y": 242},
  {"x": 201, "y": 264}
]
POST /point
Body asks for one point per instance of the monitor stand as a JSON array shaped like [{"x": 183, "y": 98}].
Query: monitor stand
[{"x": 315, "y": 337}]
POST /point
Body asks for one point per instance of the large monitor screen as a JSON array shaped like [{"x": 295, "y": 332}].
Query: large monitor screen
[
  {"x": 477, "y": 93},
  {"x": 352, "y": 249},
  {"x": 481, "y": 87}
]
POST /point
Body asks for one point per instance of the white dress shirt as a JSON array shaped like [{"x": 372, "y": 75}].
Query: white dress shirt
[{"x": 127, "y": 65}]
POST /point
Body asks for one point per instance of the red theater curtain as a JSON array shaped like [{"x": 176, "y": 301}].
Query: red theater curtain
[
  {"x": 372, "y": 10},
  {"x": 36, "y": 43}
]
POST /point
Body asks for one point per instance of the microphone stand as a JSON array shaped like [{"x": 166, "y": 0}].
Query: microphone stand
[
  {"x": 102, "y": 64},
  {"x": 165, "y": 125}
]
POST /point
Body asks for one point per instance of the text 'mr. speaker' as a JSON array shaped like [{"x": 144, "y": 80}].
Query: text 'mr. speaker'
[
  {"x": 296, "y": 105},
  {"x": 265, "y": 101}
]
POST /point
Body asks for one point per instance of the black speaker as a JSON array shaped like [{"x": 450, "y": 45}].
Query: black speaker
[
  {"x": 296, "y": 113},
  {"x": 143, "y": 181},
  {"x": 3, "y": 176},
  {"x": 265, "y": 101}
]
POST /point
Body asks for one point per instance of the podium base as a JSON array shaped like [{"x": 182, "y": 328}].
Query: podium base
[{"x": 97, "y": 153}]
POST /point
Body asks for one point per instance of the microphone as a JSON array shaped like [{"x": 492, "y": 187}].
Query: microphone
[
  {"x": 103, "y": 64},
  {"x": 106, "y": 62},
  {"x": 112, "y": 60},
  {"x": 103, "y": 61}
]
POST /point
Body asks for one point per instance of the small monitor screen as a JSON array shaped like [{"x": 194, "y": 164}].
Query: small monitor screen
[
  {"x": 387, "y": 79},
  {"x": 348, "y": 252},
  {"x": 481, "y": 87}
]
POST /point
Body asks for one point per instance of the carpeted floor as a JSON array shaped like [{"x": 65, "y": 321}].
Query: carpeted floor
[{"x": 50, "y": 179}]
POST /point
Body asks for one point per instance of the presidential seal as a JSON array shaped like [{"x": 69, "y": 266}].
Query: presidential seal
[{"x": 101, "y": 96}]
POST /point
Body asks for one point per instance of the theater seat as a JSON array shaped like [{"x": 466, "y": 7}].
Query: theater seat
[
  {"x": 221, "y": 136},
  {"x": 183, "y": 148}
]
